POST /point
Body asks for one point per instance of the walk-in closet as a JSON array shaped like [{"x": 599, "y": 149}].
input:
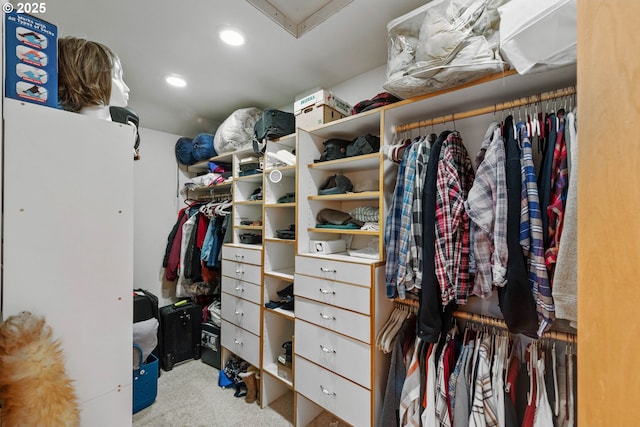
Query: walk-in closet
[{"x": 364, "y": 213}]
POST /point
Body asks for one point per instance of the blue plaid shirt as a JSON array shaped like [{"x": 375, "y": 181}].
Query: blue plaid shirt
[
  {"x": 531, "y": 233},
  {"x": 392, "y": 231}
]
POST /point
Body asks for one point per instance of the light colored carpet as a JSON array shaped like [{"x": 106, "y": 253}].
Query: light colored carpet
[{"x": 189, "y": 396}]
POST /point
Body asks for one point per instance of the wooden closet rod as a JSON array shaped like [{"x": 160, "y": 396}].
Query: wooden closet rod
[
  {"x": 491, "y": 321},
  {"x": 546, "y": 96},
  {"x": 499, "y": 323}
]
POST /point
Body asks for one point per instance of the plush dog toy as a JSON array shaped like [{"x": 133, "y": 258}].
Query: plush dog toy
[{"x": 34, "y": 388}]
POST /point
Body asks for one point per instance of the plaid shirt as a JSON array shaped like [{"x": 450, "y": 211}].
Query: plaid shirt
[
  {"x": 531, "y": 232},
  {"x": 559, "y": 187},
  {"x": 452, "y": 249},
  {"x": 424, "y": 151},
  {"x": 487, "y": 210},
  {"x": 405, "y": 246}
]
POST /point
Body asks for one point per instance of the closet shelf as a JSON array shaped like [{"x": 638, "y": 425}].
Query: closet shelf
[
  {"x": 349, "y": 164},
  {"x": 284, "y": 241},
  {"x": 355, "y": 232},
  {"x": 289, "y": 171},
  {"x": 284, "y": 273},
  {"x": 280, "y": 205},
  {"x": 281, "y": 312},
  {"x": 256, "y": 177},
  {"x": 249, "y": 202},
  {"x": 249, "y": 227},
  {"x": 204, "y": 165},
  {"x": 365, "y": 195},
  {"x": 272, "y": 369}
]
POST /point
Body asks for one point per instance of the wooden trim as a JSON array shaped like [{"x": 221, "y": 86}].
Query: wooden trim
[{"x": 608, "y": 202}]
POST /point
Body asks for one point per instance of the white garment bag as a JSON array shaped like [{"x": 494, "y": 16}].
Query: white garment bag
[{"x": 538, "y": 35}]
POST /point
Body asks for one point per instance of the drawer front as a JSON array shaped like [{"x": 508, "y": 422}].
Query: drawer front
[
  {"x": 347, "y": 400},
  {"x": 241, "y": 289},
  {"x": 241, "y": 313},
  {"x": 240, "y": 342},
  {"x": 351, "y": 297},
  {"x": 358, "y": 274},
  {"x": 342, "y": 355},
  {"x": 249, "y": 256},
  {"x": 238, "y": 270},
  {"x": 336, "y": 319}
]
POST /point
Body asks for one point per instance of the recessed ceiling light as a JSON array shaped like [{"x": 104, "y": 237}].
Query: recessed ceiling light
[
  {"x": 232, "y": 37},
  {"x": 176, "y": 81}
]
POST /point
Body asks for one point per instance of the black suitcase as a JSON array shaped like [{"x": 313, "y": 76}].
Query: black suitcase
[
  {"x": 180, "y": 323},
  {"x": 210, "y": 349},
  {"x": 272, "y": 125}
]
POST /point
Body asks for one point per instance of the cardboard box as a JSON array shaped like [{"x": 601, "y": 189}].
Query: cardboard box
[
  {"x": 316, "y": 115},
  {"x": 322, "y": 97},
  {"x": 31, "y": 59},
  {"x": 327, "y": 246}
]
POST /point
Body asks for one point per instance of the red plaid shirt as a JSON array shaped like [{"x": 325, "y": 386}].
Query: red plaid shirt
[{"x": 454, "y": 179}]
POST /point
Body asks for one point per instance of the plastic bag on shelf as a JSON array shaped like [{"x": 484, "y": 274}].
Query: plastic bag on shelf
[{"x": 443, "y": 44}]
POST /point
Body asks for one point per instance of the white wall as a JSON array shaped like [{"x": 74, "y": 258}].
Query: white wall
[
  {"x": 365, "y": 86},
  {"x": 156, "y": 208}
]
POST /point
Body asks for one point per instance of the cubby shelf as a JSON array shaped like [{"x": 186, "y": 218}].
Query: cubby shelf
[
  {"x": 281, "y": 312},
  {"x": 272, "y": 369},
  {"x": 365, "y": 195},
  {"x": 364, "y": 162}
]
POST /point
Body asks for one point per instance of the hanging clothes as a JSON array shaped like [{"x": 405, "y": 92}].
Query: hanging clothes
[
  {"x": 432, "y": 317},
  {"x": 545, "y": 172},
  {"x": 559, "y": 184},
  {"x": 531, "y": 235},
  {"x": 392, "y": 232},
  {"x": 486, "y": 206},
  {"x": 454, "y": 178},
  {"x": 389, "y": 416},
  {"x": 566, "y": 275},
  {"x": 171, "y": 261},
  {"x": 515, "y": 298}
]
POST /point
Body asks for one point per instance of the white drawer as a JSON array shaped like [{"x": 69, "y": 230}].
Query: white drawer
[
  {"x": 238, "y": 270},
  {"x": 341, "y": 397},
  {"x": 250, "y": 256},
  {"x": 327, "y": 316},
  {"x": 347, "y": 357},
  {"x": 240, "y": 342},
  {"x": 358, "y": 274},
  {"x": 241, "y": 289},
  {"x": 241, "y": 313},
  {"x": 351, "y": 297}
]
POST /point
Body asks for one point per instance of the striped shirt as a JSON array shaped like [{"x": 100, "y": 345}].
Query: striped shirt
[
  {"x": 531, "y": 231},
  {"x": 484, "y": 406}
]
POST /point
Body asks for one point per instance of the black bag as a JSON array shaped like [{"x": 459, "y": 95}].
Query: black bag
[
  {"x": 334, "y": 148},
  {"x": 180, "y": 323},
  {"x": 272, "y": 125},
  {"x": 364, "y": 144}
]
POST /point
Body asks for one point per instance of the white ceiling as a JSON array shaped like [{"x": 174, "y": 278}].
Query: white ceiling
[{"x": 157, "y": 37}]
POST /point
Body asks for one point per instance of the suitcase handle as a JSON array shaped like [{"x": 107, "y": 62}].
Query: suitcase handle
[{"x": 137, "y": 347}]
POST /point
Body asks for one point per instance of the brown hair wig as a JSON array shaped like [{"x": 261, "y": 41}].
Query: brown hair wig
[{"x": 84, "y": 73}]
